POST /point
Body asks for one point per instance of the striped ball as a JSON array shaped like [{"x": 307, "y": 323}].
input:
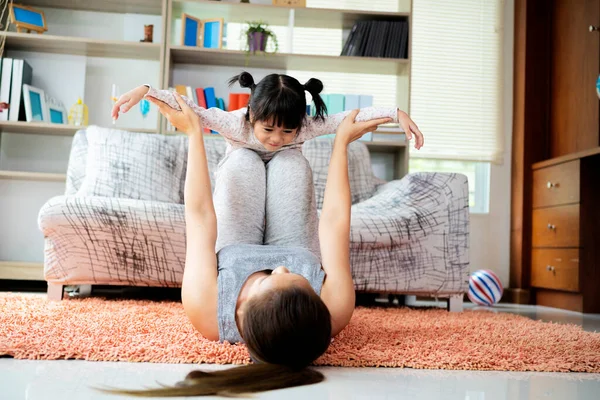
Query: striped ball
[{"x": 485, "y": 288}]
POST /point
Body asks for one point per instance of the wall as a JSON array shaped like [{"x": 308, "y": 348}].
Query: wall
[{"x": 490, "y": 233}]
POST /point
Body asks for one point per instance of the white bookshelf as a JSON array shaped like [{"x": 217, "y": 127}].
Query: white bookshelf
[
  {"x": 81, "y": 46},
  {"x": 43, "y": 128},
  {"x": 153, "y": 7},
  {"x": 90, "y": 45},
  {"x": 287, "y": 61}
]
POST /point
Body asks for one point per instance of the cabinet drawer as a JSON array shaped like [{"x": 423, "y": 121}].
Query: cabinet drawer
[
  {"x": 556, "y": 185},
  {"x": 556, "y": 226},
  {"x": 555, "y": 269}
]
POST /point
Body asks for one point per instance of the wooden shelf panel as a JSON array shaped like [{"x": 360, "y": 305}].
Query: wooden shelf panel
[
  {"x": 302, "y": 62},
  {"x": 32, "y": 176},
  {"x": 81, "y": 46},
  {"x": 18, "y": 270},
  {"x": 278, "y": 15},
  {"x": 39, "y": 128},
  {"x": 385, "y": 147},
  {"x": 569, "y": 157},
  {"x": 112, "y": 6},
  {"x": 42, "y": 128}
]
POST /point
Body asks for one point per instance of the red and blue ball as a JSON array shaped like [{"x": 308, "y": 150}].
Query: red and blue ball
[{"x": 485, "y": 288}]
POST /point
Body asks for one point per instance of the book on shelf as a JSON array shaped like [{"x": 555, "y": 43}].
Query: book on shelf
[
  {"x": 238, "y": 101},
  {"x": 211, "y": 100},
  {"x": 389, "y": 137},
  {"x": 381, "y": 39},
  {"x": 234, "y": 101},
  {"x": 5, "y": 85},
  {"x": 201, "y": 98},
  {"x": 389, "y": 133},
  {"x": 22, "y": 73},
  {"x": 181, "y": 89},
  {"x": 244, "y": 99}
]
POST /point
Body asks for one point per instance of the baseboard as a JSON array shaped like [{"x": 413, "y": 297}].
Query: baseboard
[{"x": 517, "y": 296}]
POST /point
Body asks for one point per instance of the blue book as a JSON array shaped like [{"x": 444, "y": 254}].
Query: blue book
[
  {"x": 211, "y": 100},
  {"x": 325, "y": 98},
  {"x": 351, "y": 102},
  {"x": 336, "y": 103},
  {"x": 221, "y": 104},
  {"x": 365, "y": 101}
]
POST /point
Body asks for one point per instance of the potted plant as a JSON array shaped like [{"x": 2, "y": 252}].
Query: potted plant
[{"x": 258, "y": 34}]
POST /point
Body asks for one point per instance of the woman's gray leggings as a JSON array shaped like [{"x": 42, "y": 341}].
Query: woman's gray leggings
[{"x": 270, "y": 204}]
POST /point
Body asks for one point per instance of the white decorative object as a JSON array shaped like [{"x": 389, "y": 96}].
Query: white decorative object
[{"x": 35, "y": 104}]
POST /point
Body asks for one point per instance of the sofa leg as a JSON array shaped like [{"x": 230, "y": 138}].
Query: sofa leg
[
  {"x": 55, "y": 291},
  {"x": 85, "y": 291},
  {"x": 455, "y": 303}
]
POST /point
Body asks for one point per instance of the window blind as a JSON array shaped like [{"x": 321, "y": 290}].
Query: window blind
[{"x": 456, "y": 76}]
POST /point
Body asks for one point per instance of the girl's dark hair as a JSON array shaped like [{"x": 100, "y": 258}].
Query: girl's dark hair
[
  {"x": 281, "y": 99},
  {"x": 285, "y": 331}
]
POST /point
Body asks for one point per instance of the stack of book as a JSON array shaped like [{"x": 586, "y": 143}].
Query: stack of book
[
  {"x": 384, "y": 39},
  {"x": 15, "y": 73},
  {"x": 337, "y": 103},
  {"x": 206, "y": 98}
]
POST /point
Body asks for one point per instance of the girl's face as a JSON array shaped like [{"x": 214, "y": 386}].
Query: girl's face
[{"x": 273, "y": 137}]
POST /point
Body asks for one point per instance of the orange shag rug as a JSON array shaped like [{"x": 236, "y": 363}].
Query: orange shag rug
[{"x": 145, "y": 331}]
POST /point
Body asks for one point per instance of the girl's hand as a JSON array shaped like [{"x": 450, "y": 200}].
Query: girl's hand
[
  {"x": 128, "y": 100},
  {"x": 185, "y": 120},
  {"x": 349, "y": 130},
  {"x": 410, "y": 129}
]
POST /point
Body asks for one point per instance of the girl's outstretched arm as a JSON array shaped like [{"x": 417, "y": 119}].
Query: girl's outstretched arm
[
  {"x": 229, "y": 124},
  {"x": 315, "y": 127}
]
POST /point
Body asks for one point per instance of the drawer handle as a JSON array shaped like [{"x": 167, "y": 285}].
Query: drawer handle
[
  {"x": 551, "y": 185},
  {"x": 550, "y": 268},
  {"x": 551, "y": 227}
]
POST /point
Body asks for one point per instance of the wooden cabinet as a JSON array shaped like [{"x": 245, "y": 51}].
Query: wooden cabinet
[
  {"x": 556, "y": 185},
  {"x": 565, "y": 227}
]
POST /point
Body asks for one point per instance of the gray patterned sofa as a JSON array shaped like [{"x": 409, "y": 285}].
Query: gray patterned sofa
[{"x": 409, "y": 236}]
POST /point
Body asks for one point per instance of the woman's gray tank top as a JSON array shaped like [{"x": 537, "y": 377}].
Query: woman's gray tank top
[{"x": 237, "y": 262}]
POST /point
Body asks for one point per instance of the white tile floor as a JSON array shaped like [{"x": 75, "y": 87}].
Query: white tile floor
[{"x": 54, "y": 380}]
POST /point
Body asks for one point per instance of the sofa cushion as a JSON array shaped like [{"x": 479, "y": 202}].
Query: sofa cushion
[
  {"x": 360, "y": 173},
  {"x": 133, "y": 165}
]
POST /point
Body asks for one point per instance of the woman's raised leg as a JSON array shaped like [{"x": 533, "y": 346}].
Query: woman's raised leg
[
  {"x": 291, "y": 210},
  {"x": 239, "y": 199}
]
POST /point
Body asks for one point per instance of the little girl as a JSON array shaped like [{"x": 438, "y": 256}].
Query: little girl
[{"x": 277, "y": 95}]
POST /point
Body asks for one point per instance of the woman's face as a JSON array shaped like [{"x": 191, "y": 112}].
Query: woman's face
[
  {"x": 279, "y": 278},
  {"x": 273, "y": 137}
]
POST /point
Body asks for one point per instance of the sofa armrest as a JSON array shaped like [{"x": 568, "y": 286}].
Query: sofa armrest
[
  {"x": 418, "y": 205},
  {"x": 100, "y": 240}
]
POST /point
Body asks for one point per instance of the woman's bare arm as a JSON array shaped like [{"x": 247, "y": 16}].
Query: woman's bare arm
[
  {"x": 334, "y": 224},
  {"x": 199, "y": 287}
]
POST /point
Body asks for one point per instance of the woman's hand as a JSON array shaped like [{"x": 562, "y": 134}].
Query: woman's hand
[
  {"x": 186, "y": 120},
  {"x": 410, "y": 129},
  {"x": 128, "y": 100},
  {"x": 349, "y": 130}
]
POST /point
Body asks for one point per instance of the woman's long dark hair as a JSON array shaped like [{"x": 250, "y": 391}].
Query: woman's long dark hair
[
  {"x": 285, "y": 331},
  {"x": 281, "y": 99}
]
